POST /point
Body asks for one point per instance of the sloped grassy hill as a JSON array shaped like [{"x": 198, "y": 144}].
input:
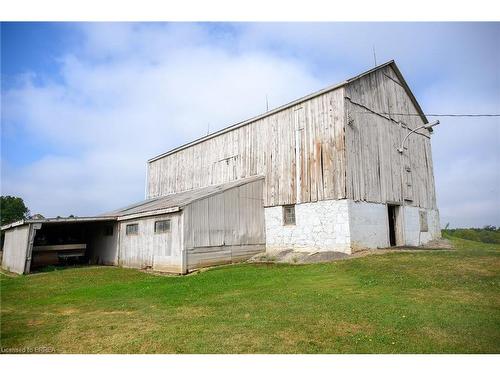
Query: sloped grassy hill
[{"x": 412, "y": 302}]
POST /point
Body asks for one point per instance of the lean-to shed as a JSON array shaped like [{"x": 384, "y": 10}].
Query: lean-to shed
[{"x": 184, "y": 231}]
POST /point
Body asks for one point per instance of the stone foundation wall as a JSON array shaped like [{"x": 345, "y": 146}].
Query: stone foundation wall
[
  {"x": 345, "y": 226},
  {"x": 319, "y": 226}
]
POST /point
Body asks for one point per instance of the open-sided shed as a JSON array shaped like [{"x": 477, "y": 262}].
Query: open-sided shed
[
  {"x": 31, "y": 244},
  {"x": 175, "y": 233}
]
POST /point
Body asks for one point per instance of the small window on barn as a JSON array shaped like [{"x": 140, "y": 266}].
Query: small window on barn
[
  {"x": 289, "y": 215},
  {"x": 162, "y": 226},
  {"x": 132, "y": 229},
  {"x": 424, "y": 227},
  {"x": 108, "y": 230}
]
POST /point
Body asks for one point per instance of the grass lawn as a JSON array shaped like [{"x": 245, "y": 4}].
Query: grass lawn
[{"x": 414, "y": 302}]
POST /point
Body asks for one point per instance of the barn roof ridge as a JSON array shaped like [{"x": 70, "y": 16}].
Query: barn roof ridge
[{"x": 237, "y": 125}]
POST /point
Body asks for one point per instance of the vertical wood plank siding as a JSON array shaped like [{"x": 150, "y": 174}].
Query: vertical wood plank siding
[
  {"x": 340, "y": 144},
  {"x": 375, "y": 170},
  {"x": 139, "y": 250},
  {"x": 15, "y": 248},
  {"x": 299, "y": 150},
  {"x": 234, "y": 217},
  {"x": 225, "y": 227}
]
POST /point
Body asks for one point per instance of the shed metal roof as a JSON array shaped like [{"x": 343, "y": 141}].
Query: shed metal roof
[
  {"x": 155, "y": 206},
  {"x": 174, "y": 202},
  {"x": 59, "y": 220}
]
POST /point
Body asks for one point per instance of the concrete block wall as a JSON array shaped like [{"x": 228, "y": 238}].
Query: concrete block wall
[{"x": 319, "y": 226}]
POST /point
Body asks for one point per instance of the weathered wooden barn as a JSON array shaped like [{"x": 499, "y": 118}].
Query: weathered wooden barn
[{"x": 322, "y": 173}]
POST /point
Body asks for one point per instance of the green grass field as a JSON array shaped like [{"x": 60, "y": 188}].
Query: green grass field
[{"x": 412, "y": 302}]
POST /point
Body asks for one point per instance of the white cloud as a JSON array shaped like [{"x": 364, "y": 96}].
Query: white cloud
[{"x": 107, "y": 116}]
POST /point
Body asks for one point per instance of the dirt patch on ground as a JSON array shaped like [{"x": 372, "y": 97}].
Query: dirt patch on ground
[
  {"x": 344, "y": 328},
  {"x": 298, "y": 257},
  {"x": 34, "y": 322},
  {"x": 430, "y": 295},
  {"x": 69, "y": 311},
  {"x": 192, "y": 312},
  {"x": 8, "y": 273},
  {"x": 441, "y": 243},
  {"x": 290, "y": 256},
  {"x": 437, "y": 335}
]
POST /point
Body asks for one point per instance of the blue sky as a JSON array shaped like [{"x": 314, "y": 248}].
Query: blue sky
[{"x": 84, "y": 105}]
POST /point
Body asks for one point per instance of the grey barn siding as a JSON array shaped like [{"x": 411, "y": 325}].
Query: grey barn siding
[
  {"x": 299, "y": 150},
  {"x": 338, "y": 144},
  {"x": 225, "y": 227},
  {"x": 374, "y": 167},
  {"x": 15, "y": 248},
  {"x": 139, "y": 250}
]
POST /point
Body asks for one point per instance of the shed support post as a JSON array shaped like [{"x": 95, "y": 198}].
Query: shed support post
[{"x": 31, "y": 240}]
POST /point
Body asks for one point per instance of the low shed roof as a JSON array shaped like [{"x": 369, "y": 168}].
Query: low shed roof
[
  {"x": 155, "y": 206},
  {"x": 174, "y": 202},
  {"x": 59, "y": 220}
]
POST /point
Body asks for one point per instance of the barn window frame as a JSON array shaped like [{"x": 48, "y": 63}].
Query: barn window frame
[
  {"x": 163, "y": 226},
  {"x": 132, "y": 232},
  {"x": 289, "y": 217},
  {"x": 423, "y": 219}
]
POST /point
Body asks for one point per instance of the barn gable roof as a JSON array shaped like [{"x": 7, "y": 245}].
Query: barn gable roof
[{"x": 391, "y": 63}]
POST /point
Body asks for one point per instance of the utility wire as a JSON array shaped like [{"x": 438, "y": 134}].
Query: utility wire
[{"x": 445, "y": 115}]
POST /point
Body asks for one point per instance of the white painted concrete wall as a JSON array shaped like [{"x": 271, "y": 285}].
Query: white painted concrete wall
[
  {"x": 413, "y": 235},
  {"x": 369, "y": 225},
  {"x": 344, "y": 225},
  {"x": 320, "y": 226}
]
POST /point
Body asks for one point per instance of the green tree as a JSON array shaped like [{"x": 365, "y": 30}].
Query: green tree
[{"x": 12, "y": 209}]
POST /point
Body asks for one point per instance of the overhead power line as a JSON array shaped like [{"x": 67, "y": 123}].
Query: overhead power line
[{"x": 447, "y": 114}]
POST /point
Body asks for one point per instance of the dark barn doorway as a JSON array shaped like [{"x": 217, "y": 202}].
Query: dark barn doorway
[
  {"x": 73, "y": 243},
  {"x": 392, "y": 215}
]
